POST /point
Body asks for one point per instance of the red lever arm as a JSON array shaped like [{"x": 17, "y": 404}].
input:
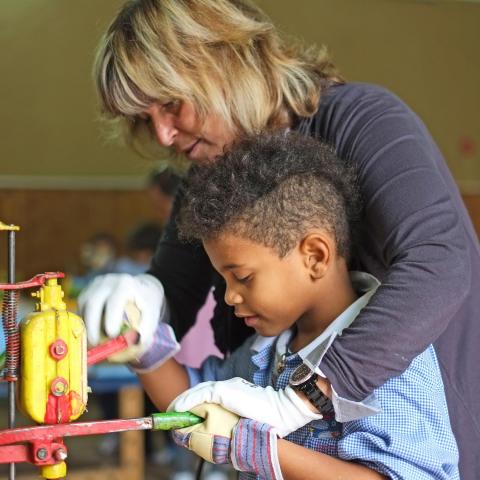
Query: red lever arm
[
  {"x": 103, "y": 351},
  {"x": 36, "y": 281},
  {"x": 47, "y": 433},
  {"x": 15, "y": 454},
  {"x": 49, "y": 439}
]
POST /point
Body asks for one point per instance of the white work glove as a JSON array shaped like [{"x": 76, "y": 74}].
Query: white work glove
[
  {"x": 225, "y": 438},
  {"x": 211, "y": 438},
  {"x": 104, "y": 305},
  {"x": 282, "y": 409}
]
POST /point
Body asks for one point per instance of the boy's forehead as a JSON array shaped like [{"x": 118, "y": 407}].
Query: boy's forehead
[{"x": 230, "y": 251}]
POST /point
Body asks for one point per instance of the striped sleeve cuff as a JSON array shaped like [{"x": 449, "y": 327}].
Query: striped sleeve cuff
[
  {"x": 163, "y": 347},
  {"x": 220, "y": 445},
  {"x": 254, "y": 449}
]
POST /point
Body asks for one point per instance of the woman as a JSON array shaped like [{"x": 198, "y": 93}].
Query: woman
[{"x": 194, "y": 76}]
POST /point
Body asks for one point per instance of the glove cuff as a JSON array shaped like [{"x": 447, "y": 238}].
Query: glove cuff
[
  {"x": 218, "y": 447},
  {"x": 254, "y": 449},
  {"x": 163, "y": 347}
]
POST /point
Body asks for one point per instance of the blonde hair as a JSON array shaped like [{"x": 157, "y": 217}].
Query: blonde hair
[{"x": 223, "y": 56}]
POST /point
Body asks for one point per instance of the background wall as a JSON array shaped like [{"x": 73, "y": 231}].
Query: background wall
[
  {"x": 55, "y": 223},
  {"x": 427, "y": 52},
  {"x": 62, "y": 180}
]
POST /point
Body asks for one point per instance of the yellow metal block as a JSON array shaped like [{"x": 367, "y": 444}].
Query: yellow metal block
[
  {"x": 59, "y": 470},
  {"x": 53, "y": 383}
]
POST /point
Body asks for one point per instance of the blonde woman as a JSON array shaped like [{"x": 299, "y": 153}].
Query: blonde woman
[{"x": 193, "y": 76}]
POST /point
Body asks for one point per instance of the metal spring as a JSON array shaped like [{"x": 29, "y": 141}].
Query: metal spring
[{"x": 12, "y": 335}]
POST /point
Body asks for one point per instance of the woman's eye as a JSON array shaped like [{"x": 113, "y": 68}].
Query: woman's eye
[
  {"x": 142, "y": 119},
  {"x": 171, "y": 106}
]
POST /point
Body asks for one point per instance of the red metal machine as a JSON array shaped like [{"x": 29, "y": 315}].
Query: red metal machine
[{"x": 45, "y": 365}]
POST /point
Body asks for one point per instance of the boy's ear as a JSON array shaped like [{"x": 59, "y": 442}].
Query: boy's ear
[{"x": 317, "y": 250}]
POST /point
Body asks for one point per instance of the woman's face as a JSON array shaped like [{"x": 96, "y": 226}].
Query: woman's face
[{"x": 176, "y": 125}]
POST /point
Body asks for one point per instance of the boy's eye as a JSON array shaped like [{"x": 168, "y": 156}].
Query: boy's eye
[{"x": 245, "y": 279}]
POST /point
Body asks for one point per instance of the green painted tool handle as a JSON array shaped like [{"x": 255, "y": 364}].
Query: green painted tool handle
[{"x": 174, "y": 420}]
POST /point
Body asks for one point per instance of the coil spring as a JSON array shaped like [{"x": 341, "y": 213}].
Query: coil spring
[{"x": 12, "y": 335}]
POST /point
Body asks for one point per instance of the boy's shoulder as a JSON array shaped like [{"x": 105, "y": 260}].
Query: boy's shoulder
[
  {"x": 419, "y": 392},
  {"x": 412, "y": 434},
  {"x": 422, "y": 374}
]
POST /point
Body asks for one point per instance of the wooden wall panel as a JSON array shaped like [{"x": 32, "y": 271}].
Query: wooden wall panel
[{"x": 56, "y": 223}]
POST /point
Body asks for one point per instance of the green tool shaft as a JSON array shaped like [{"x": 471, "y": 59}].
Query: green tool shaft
[{"x": 174, "y": 420}]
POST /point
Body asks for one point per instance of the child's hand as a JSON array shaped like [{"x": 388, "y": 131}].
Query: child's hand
[
  {"x": 211, "y": 438},
  {"x": 104, "y": 305},
  {"x": 281, "y": 409},
  {"x": 225, "y": 438}
]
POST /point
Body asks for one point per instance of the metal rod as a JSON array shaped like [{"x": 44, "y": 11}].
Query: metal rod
[
  {"x": 11, "y": 385},
  {"x": 45, "y": 433}
]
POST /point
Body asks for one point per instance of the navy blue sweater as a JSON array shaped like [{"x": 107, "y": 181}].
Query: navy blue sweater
[{"x": 418, "y": 240}]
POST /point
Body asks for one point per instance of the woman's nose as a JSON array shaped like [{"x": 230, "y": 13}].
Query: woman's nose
[
  {"x": 164, "y": 130},
  {"x": 163, "y": 125},
  {"x": 232, "y": 297}
]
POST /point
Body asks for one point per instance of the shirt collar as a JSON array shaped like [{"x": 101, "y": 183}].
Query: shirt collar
[{"x": 362, "y": 283}]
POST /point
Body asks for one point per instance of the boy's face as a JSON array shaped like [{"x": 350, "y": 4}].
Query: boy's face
[{"x": 268, "y": 292}]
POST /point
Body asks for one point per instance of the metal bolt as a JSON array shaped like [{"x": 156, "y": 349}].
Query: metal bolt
[
  {"x": 59, "y": 386},
  {"x": 60, "y": 454},
  {"x": 59, "y": 349},
  {"x": 42, "y": 453}
]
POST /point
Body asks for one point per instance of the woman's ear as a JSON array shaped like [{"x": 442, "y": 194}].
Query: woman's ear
[{"x": 317, "y": 250}]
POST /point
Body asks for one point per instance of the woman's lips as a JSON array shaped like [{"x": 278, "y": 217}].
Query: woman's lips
[{"x": 190, "y": 153}]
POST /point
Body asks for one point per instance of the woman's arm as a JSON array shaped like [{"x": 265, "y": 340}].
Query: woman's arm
[
  {"x": 414, "y": 237},
  {"x": 300, "y": 463},
  {"x": 184, "y": 271}
]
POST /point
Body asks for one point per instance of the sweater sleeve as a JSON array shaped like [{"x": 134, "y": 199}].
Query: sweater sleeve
[
  {"x": 414, "y": 239},
  {"x": 185, "y": 272}
]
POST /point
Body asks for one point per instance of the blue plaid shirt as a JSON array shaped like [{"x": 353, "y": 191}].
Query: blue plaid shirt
[{"x": 410, "y": 438}]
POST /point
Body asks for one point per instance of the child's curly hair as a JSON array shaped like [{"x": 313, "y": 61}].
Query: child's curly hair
[{"x": 271, "y": 189}]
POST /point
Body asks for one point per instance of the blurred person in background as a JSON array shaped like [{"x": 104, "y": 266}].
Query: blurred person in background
[
  {"x": 140, "y": 246},
  {"x": 162, "y": 186},
  {"x": 98, "y": 256}
]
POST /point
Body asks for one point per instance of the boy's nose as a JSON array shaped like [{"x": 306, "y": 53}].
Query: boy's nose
[{"x": 232, "y": 298}]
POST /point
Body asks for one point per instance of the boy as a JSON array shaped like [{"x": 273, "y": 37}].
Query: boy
[{"x": 285, "y": 258}]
